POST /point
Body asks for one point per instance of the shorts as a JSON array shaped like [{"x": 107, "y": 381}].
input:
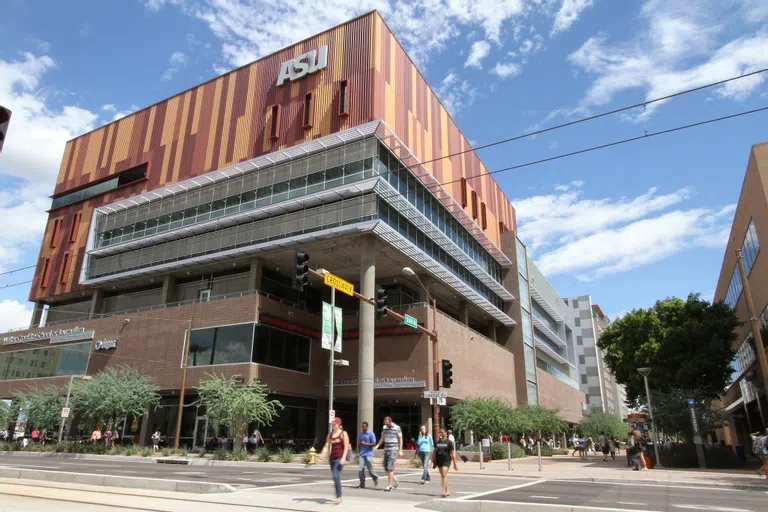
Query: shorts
[
  {"x": 606, "y": 450},
  {"x": 443, "y": 461},
  {"x": 390, "y": 456}
]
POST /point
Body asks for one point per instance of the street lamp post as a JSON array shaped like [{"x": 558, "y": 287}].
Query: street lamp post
[
  {"x": 408, "y": 271},
  {"x": 644, "y": 372},
  {"x": 66, "y": 404}
]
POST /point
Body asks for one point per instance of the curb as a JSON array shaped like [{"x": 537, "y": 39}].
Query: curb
[
  {"x": 80, "y": 456},
  {"x": 121, "y": 481},
  {"x": 443, "y": 505}
]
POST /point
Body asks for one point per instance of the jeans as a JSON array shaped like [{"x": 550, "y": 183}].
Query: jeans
[
  {"x": 336, "y": 468},
  {"x": 366, "y": 461},
  {"x": 426, "y": 458}
]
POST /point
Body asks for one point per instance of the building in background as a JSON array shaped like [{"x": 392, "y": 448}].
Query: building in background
[
  {"x": 604, "y": 394},
  {"x": 176, "y": 225},
  {"x": 745, "y": 399}
]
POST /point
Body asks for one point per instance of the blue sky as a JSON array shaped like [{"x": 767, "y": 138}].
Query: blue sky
[{"x": 627, "y": 225}]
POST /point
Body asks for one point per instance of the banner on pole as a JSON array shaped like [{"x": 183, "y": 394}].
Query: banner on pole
[{"x": 327, "y": 337}]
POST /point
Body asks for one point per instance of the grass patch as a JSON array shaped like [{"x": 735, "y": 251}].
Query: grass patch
[
  {"x": 284, "y": 455},
  {"x": 263, "y": 454},
  {"x": 415, "y": 462},
  {"x": 221, "y": 454}
]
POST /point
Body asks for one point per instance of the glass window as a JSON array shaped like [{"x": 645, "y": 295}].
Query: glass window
[
  {"x": 525, "y": 299},
  {"x": 532, "y": 397},
  {"x": 281, "y": 349},
  {"x": 201, "y": 347},
  {"x": 69, "y": 359},
  {"x": 233, "y": 344}
]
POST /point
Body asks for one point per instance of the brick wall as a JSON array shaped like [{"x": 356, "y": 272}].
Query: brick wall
[{"x": 556, "y": 394}]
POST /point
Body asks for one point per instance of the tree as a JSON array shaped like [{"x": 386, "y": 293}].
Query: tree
[
  {"x": 5, "y": 414},
  {"x": 673, "y": 416},
  {"x": 113, "y": 395},
  {"x": 686, "y": 343},
  {"x": 597, "y": 423},
  {"x": 542, "y": 420},
  {"x": 484, "y": 416},
  {"x": 41, "y": 406},
  {"x": 235, "y": 405}
]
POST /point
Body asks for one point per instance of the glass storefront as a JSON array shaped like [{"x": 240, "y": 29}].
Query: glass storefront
[{"x": 49, "y": 361}]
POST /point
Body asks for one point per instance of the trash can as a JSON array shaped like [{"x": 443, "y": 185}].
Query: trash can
[{"x": 648, "y": 454}]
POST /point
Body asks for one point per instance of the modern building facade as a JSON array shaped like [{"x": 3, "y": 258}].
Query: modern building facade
[
  {"x": 604, "y": 394},
  {"x": 177, "y": 224},
  {"x": 745, "y": 399}
]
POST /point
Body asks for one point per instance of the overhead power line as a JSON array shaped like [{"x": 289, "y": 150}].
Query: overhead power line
[{"x": 16, "y": 270}]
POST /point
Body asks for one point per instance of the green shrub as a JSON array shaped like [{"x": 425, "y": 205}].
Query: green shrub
[
  {"x": 117, "y": 450},
  {"x": 221, "y": 454},
  {"x": 147, "y": 451},
  {"x": 560, "y": 451},
  {"x": 239, "y": 456},
  {"x": 546, "y": 450},
  {"x": 263, "y": 454},
  {"x": 284, "y": 455},
  {"x": 166, "y": 452},
  {"x": 183, "y": 452},
  {"x": 10, "y": 447},
  {"x": 414, "y": 461}
]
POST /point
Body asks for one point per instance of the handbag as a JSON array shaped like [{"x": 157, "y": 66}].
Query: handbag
[{"x": 350, "y": 455}]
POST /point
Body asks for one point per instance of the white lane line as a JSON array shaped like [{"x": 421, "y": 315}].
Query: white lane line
[
  {"x": 519, "y": 486},
  {"x": 637, "y": 484},
  {"x": 544, "y": 497},
  {"x": 630, "y": 503},
  {"x": 31, "y": 466},
  {"x": 711, "y": 507},
  {"x": 574, "y": 508},
  {"x": 189, "y": 473}
]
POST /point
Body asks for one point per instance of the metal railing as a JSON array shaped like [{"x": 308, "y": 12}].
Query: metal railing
[{"x": 543, "y": 365}]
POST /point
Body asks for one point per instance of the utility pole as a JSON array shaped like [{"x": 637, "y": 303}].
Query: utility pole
[
  {"x": 187, "y": 343},
  {"x": 756, "y": 334}
]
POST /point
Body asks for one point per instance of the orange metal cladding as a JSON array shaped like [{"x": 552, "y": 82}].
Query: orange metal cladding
[{"x": 227, "y": 119}]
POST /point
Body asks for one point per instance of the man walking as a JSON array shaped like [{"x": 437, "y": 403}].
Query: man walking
[
  {"x": 366, "y": 440},
  {"x": 392, "y": 439}
]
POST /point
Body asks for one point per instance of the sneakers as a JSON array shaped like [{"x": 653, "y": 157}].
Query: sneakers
[
  {"x": 644, "y": 469},
  {"x": 387, "y": 488},
  {"x": 423, "y": 481},
  {"x": 376, "y": 482}
]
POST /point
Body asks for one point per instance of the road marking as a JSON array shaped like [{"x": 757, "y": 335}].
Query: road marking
[
  {"x": 711, "y": 507},
  {"x": 319, "y": 482},
  {"x": 30, "y": 466},
  {"x": 630, "y": 503},
  {"x": 554, "y": 505},
  {"x": 637, "y": 484},
  {"x": 519, "y": 486},
  {"x": 189, "y": 473},
  {"x": 545, "y": 497}
]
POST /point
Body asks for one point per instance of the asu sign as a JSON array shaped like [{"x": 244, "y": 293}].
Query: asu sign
[{"x": 305, "y": 64}]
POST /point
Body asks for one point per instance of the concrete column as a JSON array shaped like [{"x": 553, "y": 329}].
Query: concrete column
[
  {"x": 492, "y": 329},
  {"x": 367, "y": 342},
  {"x": 37, "y": 315},
  {"x": 168, "y": 294},
  {"x": 97, "y": 303},
  {"x": 464, "y": 312},
  {"x": 254, "y": 279}
]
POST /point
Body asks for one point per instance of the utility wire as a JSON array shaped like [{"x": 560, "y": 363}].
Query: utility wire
[{"x": 16, "y": 270}]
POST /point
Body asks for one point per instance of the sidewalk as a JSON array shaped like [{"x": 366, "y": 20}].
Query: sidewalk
[{"x": 564, "y": 467}]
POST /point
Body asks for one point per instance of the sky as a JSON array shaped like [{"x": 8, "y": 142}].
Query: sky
[{"x": 628, "y": 225}]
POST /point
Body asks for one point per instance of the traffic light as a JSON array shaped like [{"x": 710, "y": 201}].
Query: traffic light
[
  {"x": 5, "y": 119},
  {"x": 300, "y": 269},
  {"x": 447, "y": 373},
  {"x": 382, "y": 302}
]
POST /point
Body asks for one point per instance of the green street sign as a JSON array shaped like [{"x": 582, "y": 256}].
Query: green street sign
[{"x": 410, "y": 321}]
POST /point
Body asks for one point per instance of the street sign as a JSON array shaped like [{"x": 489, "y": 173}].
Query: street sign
[
  {"x": 326, "y": 338},
  {"x": 331, "y": 415},
  {"x": 65, "y": 412},
  {"x": 340, "y": 284},
  {"x": 435, "y": 394},
  {"x": 410, "y": 321},
  {"x": 441, "y": 401}
]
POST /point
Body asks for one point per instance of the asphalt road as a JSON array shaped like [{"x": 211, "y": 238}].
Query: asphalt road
[{"x": 313, "y": 485}]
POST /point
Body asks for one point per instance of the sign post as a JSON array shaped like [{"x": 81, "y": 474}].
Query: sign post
[
  {"x": 65, "y": 412},
  {"x": 697, "y": 434},
  {"x": 331, "y": 340}
]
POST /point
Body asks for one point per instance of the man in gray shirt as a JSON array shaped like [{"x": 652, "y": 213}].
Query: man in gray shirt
[{"x": 392, "y": 439}]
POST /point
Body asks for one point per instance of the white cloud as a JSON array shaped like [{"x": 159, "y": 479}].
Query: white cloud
[
  {"x": 678, "y": 48},
  {"x": 552, "y": 219},
  {"x": 568, "y": 14},
  {"x": 592, "y": 238},
  {"x": 249, "y": 28},
  {"x": 30, "y": 170},
  {"x": 640, "y": 243},
  {"x": 109, "y": 107},
  {"x": 506, "y": 69},
  {"x": 456, "y": 94},
  {"x": 176, "y": 61},
  {"x": 14, "y": 314},
  {"x": 477, "y": 53}
]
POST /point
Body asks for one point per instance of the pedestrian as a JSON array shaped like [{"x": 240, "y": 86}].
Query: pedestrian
[
  {"x": 442, "y": 456},
  {"x": 96, "y": 435},
  {"x": 760, "y": 448},
  {"x": 338, "y": 442},
  {"x": 156, "y": 441},
  {"x": 635, "y": 451},
  {"x": 258, "y": 439},
  {"x": 392, "y": 439},
  {"x": 108, "y": 438},
  {"x": 35, "y": 436},
  {"x": 603, "y": 441},
  {"x": 612, "y": 447},
  {"x": 424, "y": 446},
  {"x": 366, "y": 440},
  {"x": 451, "y": 438}
]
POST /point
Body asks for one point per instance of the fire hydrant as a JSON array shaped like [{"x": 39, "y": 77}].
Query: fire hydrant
[{"x": 312, "y": 453}]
